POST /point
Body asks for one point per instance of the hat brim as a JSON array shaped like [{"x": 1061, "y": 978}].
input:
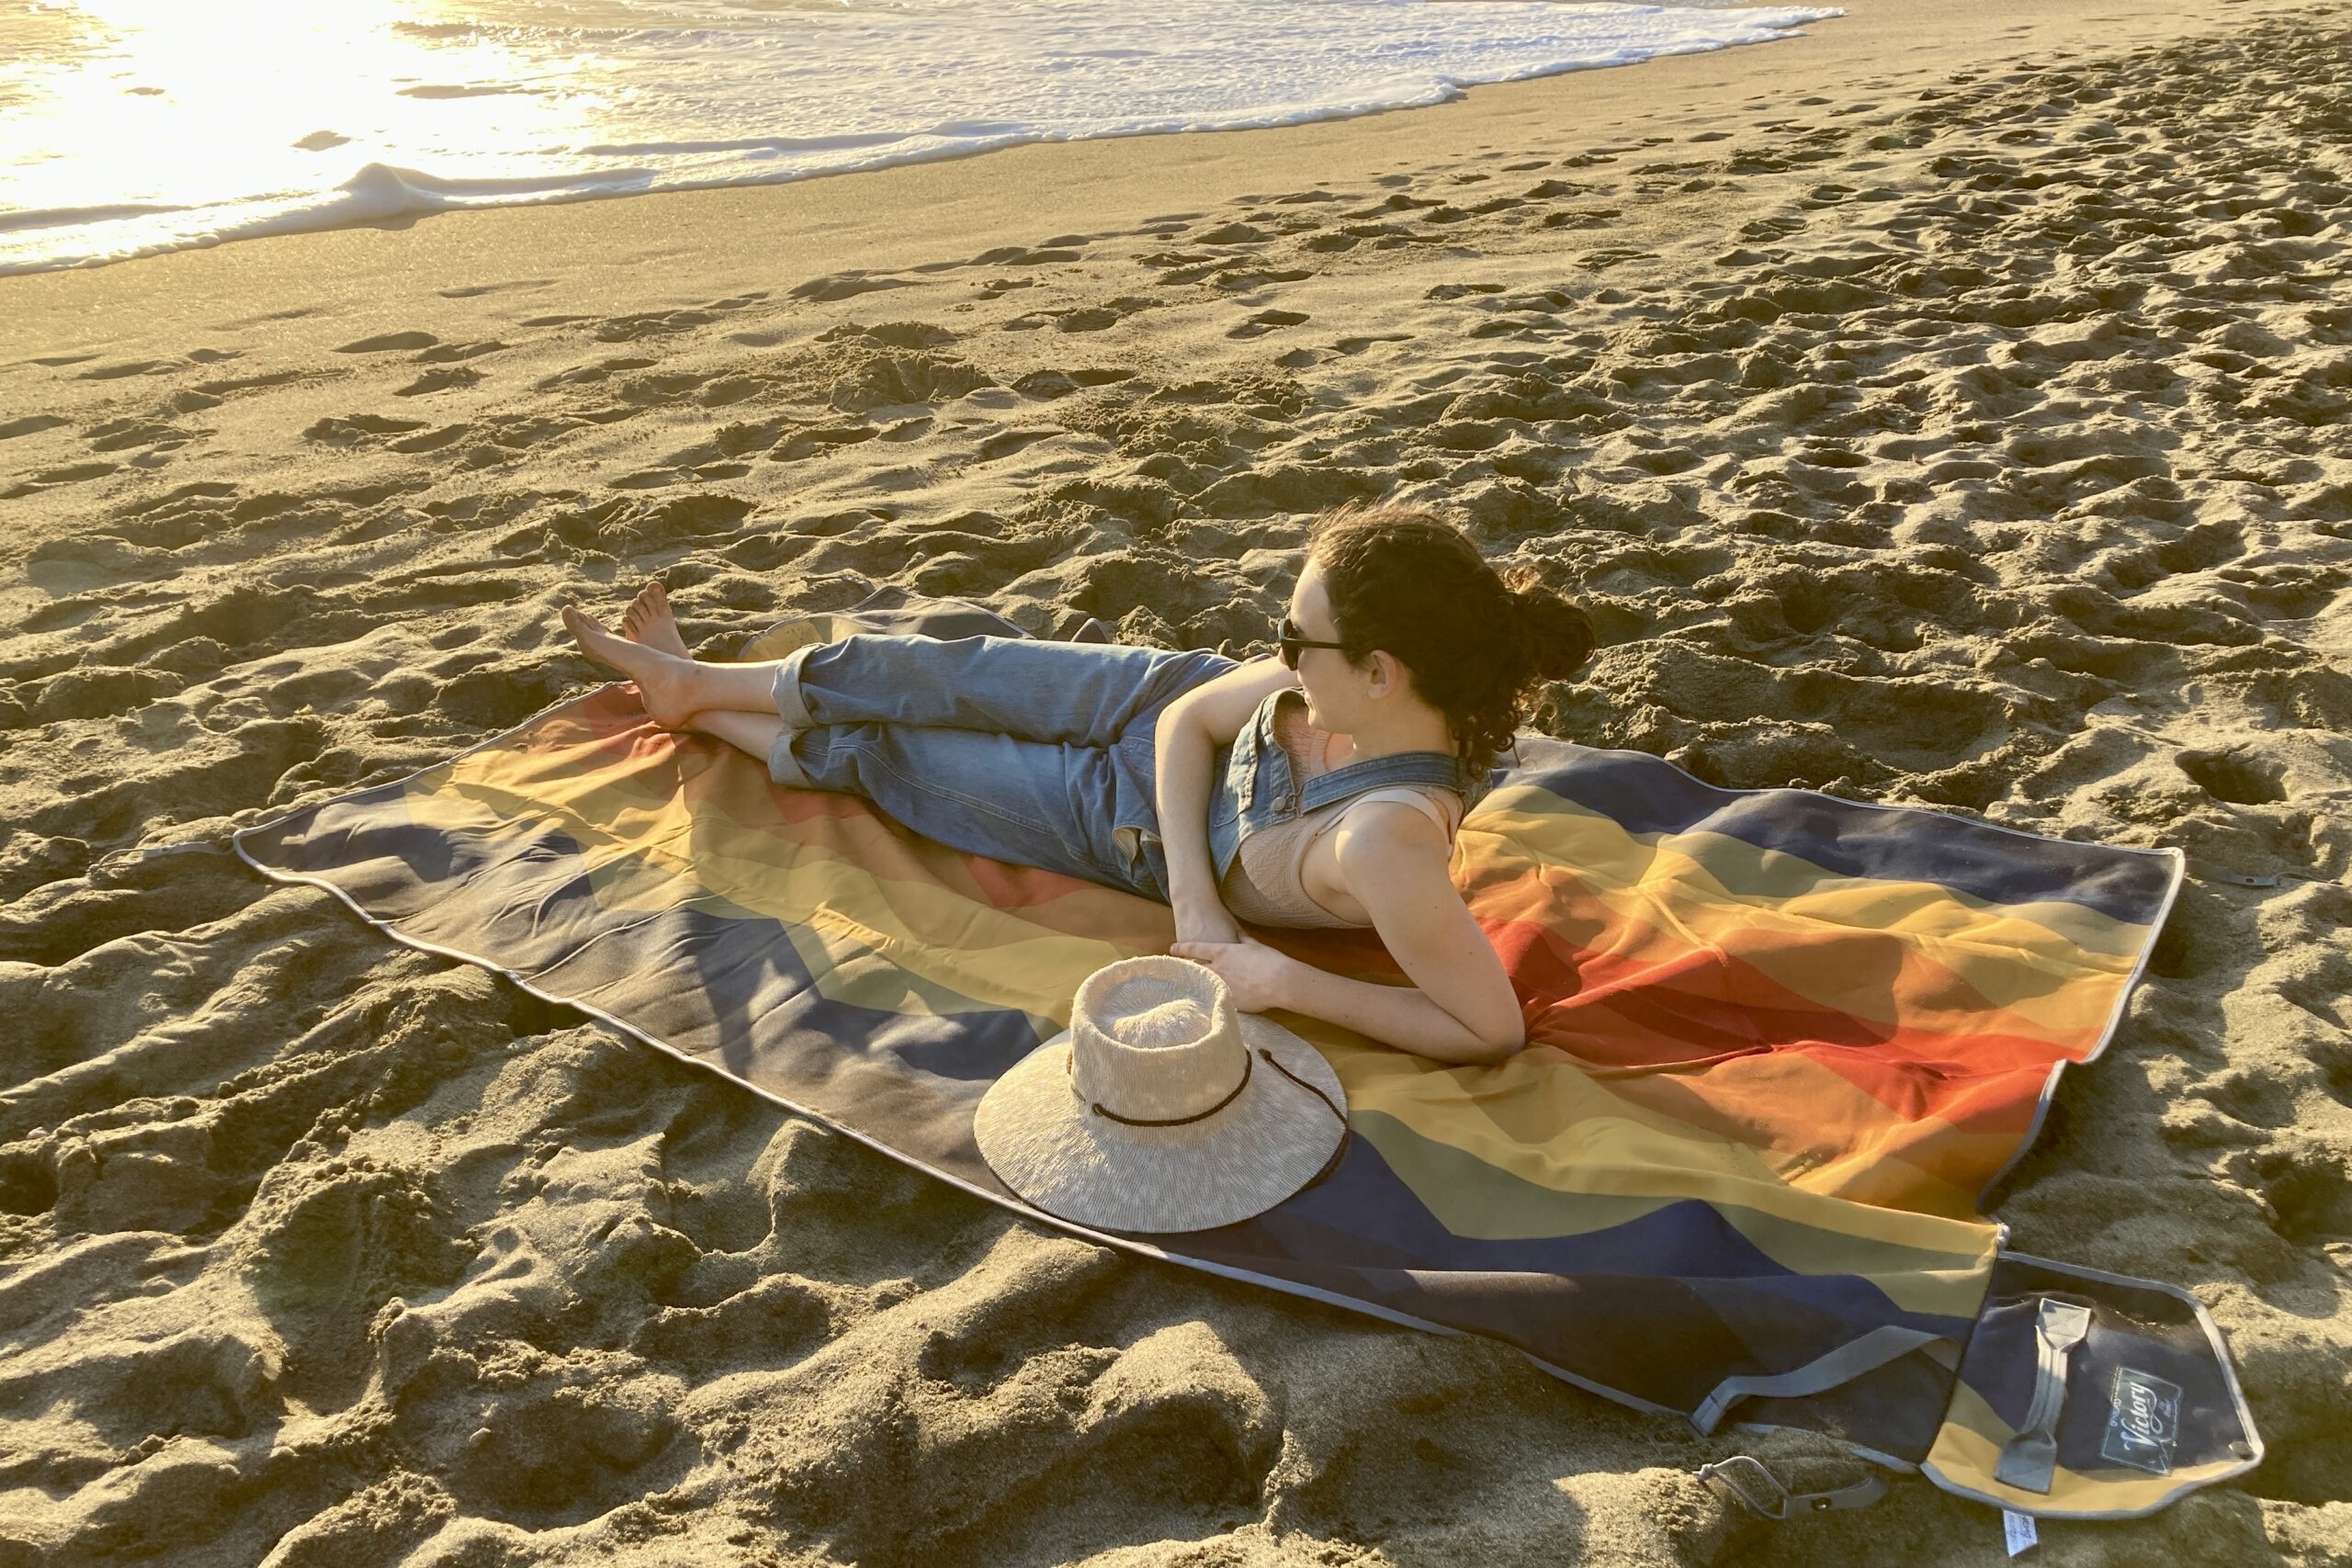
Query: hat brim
[{"x": 1048, "y": 1146}]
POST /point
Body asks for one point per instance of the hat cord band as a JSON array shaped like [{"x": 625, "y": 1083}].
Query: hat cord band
[
  {"x": 1347, "y": 1134},
  {"x": 1272, "y": 1061},
  {"x": 1100, "y": 1110},
  {"x": 1302, "y": 1083}
]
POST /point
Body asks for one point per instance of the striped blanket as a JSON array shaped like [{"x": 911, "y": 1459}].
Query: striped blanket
[{"x": 1780, "y": 1044}]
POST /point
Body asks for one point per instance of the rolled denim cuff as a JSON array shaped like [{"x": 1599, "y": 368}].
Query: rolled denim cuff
[
  {"x": 789, "y": 706},
  {"x": 782, "y": 766}
]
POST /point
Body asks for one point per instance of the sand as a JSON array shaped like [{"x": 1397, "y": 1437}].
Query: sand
[{"x": 1946, "y": 408}]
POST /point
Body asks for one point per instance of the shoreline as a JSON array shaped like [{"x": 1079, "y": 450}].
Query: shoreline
[
  {"x": 830, "y": 223},
  {"x": 1179, "y": 65}
]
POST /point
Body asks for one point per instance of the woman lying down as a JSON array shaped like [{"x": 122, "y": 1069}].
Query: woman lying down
[{"x": 1320, "y": 787}]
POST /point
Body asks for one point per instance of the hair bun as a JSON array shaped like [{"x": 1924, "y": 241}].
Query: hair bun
[
  {"x": 1556, "y": 637},
  {"x": 1475, "y": 636}
]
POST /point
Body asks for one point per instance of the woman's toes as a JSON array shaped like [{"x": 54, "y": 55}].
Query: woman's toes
[
  {"x": 652, "y": 621},
  {"x": 649, "y": 622},
  {"x": 664, "y": 681},
  {"x": 585, "y": 631},
  {"x": 599, "y": 643}
]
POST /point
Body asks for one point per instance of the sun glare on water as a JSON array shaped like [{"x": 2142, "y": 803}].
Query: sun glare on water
[
  {"x": 134, "y": 126},
  {"x": 170, "y": 102}
]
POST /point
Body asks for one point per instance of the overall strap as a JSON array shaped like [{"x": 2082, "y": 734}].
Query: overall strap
[{"x": 1439, "y": 768}]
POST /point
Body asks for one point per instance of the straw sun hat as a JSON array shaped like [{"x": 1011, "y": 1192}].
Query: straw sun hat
[{"x": 1163, "y": 1107}]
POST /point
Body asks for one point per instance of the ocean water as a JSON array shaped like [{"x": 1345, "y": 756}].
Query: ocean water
[{"x": 132, "y": 127}]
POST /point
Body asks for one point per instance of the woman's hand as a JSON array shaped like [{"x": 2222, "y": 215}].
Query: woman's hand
[
  {"x": 1205, "y": 920},
  {"x": 1254, "y": 973}
]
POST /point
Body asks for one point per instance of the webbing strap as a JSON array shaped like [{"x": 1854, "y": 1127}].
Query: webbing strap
[
  {"x": 1850, "y": 1360},
  {"x": 1749, "y": 1479}
]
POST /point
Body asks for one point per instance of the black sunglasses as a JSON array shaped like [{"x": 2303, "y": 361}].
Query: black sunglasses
[{"x": 1292, "y": 640}]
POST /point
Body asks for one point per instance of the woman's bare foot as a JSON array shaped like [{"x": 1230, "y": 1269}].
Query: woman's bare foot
[
  {"x": 664, "y": 680},
  {"x": 649, "y": 622}
]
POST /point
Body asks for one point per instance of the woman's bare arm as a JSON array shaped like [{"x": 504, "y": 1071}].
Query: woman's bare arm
[
  {"x": 1189, "y": 731},
  {"x": 1460, "y": 1007}
]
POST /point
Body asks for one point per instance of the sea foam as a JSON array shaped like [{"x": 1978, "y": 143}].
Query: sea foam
[{"x": 160, "y": 128}]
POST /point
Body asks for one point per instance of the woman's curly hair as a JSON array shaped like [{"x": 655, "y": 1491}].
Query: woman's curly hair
[{"x": 1475, "y": 641}]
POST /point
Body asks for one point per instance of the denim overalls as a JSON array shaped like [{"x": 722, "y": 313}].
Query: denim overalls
[{"x": 1042, "y": 753}]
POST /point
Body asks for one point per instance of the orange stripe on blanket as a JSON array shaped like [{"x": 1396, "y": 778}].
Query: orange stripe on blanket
[
  {"x": 1556, "y": 949},
  {"x": 1822, "y": 1134},
  {"x": 610, "y": 778}
]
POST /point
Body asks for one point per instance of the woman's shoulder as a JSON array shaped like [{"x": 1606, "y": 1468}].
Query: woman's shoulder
[
  {"x": 1389, "y": 852},
  {"x": 1404, "y": 817}
]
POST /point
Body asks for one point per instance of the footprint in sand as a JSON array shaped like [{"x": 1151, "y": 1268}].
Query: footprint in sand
[
  {"x": 452, "y": 352},
  {"x": 1047, "y": 385},
  {"x": 2239, "y": 777},
  {"x": 650, "y": 323},
  {"x": 1240, "y": 279},
  {"x": 478, "y": 289},
  {"x": 350, "y": 430},
  {"x": 131, "y": 367},
  {"x": 589, "y": 374},
  {"x": 1005, "y": 443},
  {"x": 389, "y": 343},
  {"x": 120, "y": 434},
  {"x": 444, "y": 380},
  {"x": 1265, "y": 321},
  {"x": 234, "y": 385},
  {"x": 48, "y": 478}
]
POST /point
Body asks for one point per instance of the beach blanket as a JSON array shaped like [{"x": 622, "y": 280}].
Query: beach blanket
[{"x": 1780, "y": 1044}]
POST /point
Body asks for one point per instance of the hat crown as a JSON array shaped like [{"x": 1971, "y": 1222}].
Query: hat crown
[{"x": 1156, "y": 1039}]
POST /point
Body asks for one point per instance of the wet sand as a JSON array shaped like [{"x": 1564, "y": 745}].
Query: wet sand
[{"x": 1946, "y": 408}]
